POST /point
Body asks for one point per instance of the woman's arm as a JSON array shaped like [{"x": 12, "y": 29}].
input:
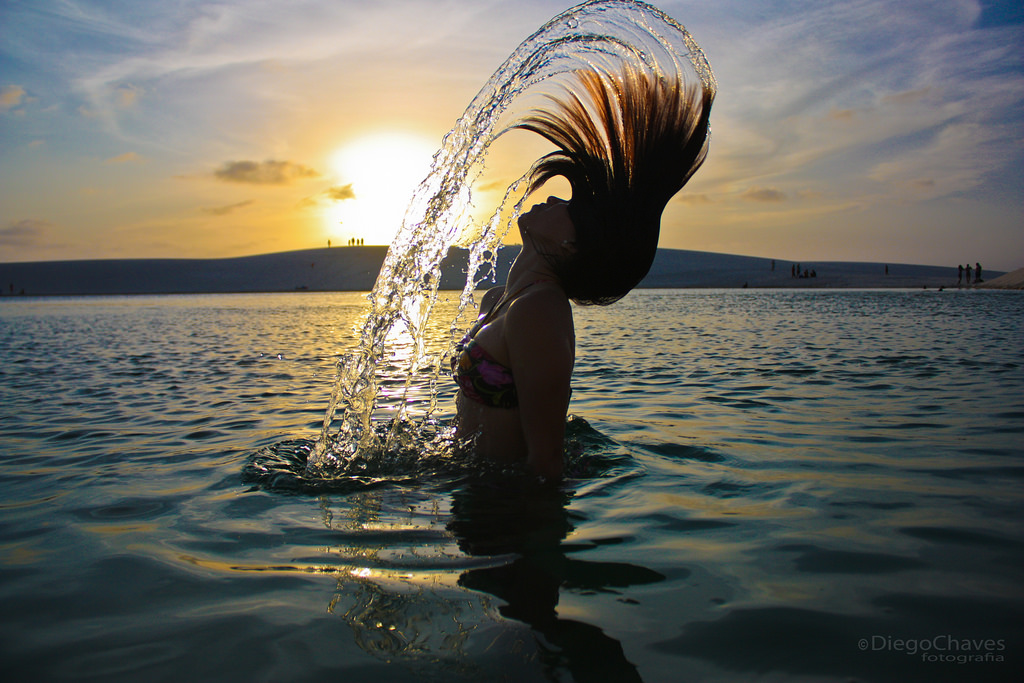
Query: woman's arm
[{"x": 541, "y": 349}]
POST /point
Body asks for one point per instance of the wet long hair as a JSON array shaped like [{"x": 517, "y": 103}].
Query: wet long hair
[{"x": 627, "y": 142}]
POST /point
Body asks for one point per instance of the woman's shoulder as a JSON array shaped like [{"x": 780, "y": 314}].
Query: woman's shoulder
[
  {"x": 539, "y": 332},
  {"x": 544, "y": 303}
]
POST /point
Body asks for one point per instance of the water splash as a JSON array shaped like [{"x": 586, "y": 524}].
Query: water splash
[
  {"x": 599, "y": 33},
  {"x": 592, "y": 459}
]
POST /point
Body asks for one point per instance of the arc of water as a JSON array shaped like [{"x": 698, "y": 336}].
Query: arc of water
[{"x": 406, "y": 288}]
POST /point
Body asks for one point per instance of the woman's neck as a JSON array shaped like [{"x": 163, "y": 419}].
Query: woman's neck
[{"x": 528, "y": 267}]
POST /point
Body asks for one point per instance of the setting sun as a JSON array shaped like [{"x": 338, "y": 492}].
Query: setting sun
[{"x": 376, "y": 176}]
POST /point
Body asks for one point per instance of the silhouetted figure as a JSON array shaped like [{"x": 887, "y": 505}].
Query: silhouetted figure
[
  {"x": 328, "y": 244},
  {"x": 960, "y": 274},
  {"x": 977, "y": 272},
  {"x": 967, "y": 272},
  {"x": 773, "y": 265},
  {"x": 792, "y": 270},
  {"x": 887, "y": 269}
]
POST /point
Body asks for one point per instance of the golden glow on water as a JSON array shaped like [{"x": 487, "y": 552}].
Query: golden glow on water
[
  {"x": 738, "y": 506},
  {"x": 13, "y": 555},
  {"x": 42, "y": 500}
]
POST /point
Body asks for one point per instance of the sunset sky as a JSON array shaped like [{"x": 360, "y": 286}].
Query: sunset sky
[{"x": 860, "y": 130}]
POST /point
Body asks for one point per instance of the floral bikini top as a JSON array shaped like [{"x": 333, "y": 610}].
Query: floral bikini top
[{"x": 478, "y": 374}]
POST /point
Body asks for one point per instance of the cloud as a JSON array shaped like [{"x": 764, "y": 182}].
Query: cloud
[
  {"x": 225, "y": 210},
  {"x": 268, "y": 172},
  {"x": 693, "y": 199},
  {"x": 907, "y": 96},
  {"x": 128, "y": 95},
  {"x": 842, "y": 94},
  {"x": 340, "y": 192},
  {"x": 955, "y": 159},
  {"x": 764, "y": 194},
  {"x": 123, "y": 158},
  {"x": 24, "y": 233},
  {"x": 218, "y": 66},
  {"x": 11, "y": 96},
  {"x": 337, "y": 193}
]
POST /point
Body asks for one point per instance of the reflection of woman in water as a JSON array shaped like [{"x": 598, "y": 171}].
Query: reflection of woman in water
[
  {"x": 627, "y": 142},
  {"x": 530, "y": 522}
]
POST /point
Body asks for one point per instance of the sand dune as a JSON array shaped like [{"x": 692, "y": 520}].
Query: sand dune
[
  {"x": 356, "y": 268},
  {"x": 1013, "y": 280}
]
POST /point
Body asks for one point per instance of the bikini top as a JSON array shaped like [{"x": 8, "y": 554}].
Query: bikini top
[{"x": 478, "y": 374}]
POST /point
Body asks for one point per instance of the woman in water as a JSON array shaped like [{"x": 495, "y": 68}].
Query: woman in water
[{"x": 626, "y": 144}]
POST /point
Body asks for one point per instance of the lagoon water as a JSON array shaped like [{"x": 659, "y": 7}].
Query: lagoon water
[{"x": 766, "y": 485}]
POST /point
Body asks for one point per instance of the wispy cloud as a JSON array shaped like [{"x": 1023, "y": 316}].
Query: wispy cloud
[
  {"x": 764, "y": 194},
  {"x": 691, "y": 199},
  {"x": 268, "y": 172},
  {"x": 11, "y": 96},
  {"x": 848, "y": 92},
  {"x": 225, "y": 210},
  {"x": 340, "y": 192},
  {"x": 124, "y": 158},
  {"x": 25, "y": 233},
  {"x": 336, "y": 193},
  {"x": 255, "y": 56},
  {"x": 128, "y": 95},
  {"x": 955, "y": 159}
]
